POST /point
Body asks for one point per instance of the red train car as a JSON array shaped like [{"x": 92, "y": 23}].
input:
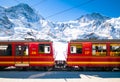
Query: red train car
[
  {"x": 93, "y": 53},
  {"x": 26, "y": 54}
]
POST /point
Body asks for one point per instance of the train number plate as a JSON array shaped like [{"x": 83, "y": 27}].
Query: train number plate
[{"x": 22, "y": 64}]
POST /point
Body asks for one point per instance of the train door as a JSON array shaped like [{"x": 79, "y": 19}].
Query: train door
[{"x": 21, "y": 55}]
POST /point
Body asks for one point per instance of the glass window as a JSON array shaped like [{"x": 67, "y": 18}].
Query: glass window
[
  {"x": 25, "y": 50},
  {"x": 76, "y": 48},
  {"x": 22, "y": 50},
  {"x": 114, "y": 49},
  {"x": 18, "y": 50},
  {"x": 5, "y": 49},
  {"x": 99, "y": 50},
  {"x": 44, "y": 48}
]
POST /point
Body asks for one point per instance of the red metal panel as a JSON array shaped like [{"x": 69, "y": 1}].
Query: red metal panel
[
  {"x": 86, "y": 59},
  {"x": 37, "y": 59},
  {"x": 6, "y": 60},
  {"x": 87, "y": 49},
  {"x": 34, "y": 59},
  {"x": 33, "y": 49}
]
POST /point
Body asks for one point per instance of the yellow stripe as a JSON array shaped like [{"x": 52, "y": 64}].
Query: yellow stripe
[
  {"x": 27, "y": 62},
  {"x": 42, "y": 62},
  {"x": 7, "y": 57},
  {"x": 93, "y": 62},
  {"x": 67, "y": 62},
  {"x": 21, "y": 62},
  {"x": 7, "y": 62}
]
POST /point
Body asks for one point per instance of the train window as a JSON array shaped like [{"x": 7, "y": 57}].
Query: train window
[
  {"x": 44, "y": 48},
  {"x": 76, "y": 48},
  {"x": 99, "y": 50},
  {"x": 5, "y": 49},
  {"x": 25, "y": 50},
  {"x": 22, "y": 50},
  {"x": 73, "y": 49},
  {"x": 47, "y": 49},
  {"x": 18, "y": 50},
  {"x": 114, "y": 49}
]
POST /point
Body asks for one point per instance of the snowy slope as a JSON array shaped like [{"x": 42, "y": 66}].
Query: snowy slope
[
  {"x": 6, "y": 26},
  {"x": 90, "y": 26},
  {"x": 24, "y": 21}
]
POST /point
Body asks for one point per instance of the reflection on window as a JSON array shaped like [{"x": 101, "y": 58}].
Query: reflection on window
[
  {"x": 99, "y": 50},
  {"x": 44, "y": 48},
  {"x": 114, "y": 49},
  {"x": 18, "y": 50},
  {"x": 25, "y": 50},
  {"x": 76, "y": 48},
  {"x": 5, "y": 50}
]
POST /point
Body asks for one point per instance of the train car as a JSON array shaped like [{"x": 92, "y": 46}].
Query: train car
[
  {"x": 25, "y": 54},
  {"x": 98, "y": 54}
]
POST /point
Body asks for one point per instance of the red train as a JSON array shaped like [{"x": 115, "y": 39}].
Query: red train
[
  {"x": 25, "y": 54},
  {"x": 85, "y": 54},
  {"x": 81, "y": 54}
]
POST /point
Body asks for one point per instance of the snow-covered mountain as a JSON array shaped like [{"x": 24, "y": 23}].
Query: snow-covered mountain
[
  {"x": 21, "y": 21},
  {"x": 90, "y": 26}
]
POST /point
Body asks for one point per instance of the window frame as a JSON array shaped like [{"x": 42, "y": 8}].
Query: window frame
[
  {"x": 99, "y": 49},
  {"x": 77, "y": 48},
  {"x": 6, "y": 50},
  {"x": 115, "y": 52},
  {"x": 44, "y": 48},
  {"x": 24, "y": 50}
]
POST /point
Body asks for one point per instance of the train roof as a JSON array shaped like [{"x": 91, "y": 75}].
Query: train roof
[
  {"x": 25, "y": 41},
  {"x": 94, "y": 40}
]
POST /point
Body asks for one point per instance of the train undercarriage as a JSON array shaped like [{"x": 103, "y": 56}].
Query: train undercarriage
[{"x": 60, "y": 66}]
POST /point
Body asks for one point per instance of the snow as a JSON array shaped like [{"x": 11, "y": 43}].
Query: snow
[
  {"x": 59, "y": 80},
  {"x": 60, "y": 50},
  {"x": 102, "y": 26}
]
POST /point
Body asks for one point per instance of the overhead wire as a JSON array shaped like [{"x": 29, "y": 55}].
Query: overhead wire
[
  {"x": 17, "y": 1},
  {"x": 42, "y": 1},
  {"x": 87, "y": 2},
  {"x": 36, "y": 4}
]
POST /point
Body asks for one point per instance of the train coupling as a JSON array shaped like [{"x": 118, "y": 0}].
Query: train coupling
[{"x": 60, "y": 64}]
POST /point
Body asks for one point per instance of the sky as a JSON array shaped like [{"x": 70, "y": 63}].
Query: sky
[{"x": 65, "y": 10}]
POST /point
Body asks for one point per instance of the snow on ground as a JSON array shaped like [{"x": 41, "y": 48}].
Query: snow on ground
[
  {"x": 61, "y": 80},
  {"x": 60, "y": 50},
  {"x": 59, "y": 76}
]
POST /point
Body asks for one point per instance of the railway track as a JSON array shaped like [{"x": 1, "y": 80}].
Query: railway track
[{"x": 60, "y": 69}]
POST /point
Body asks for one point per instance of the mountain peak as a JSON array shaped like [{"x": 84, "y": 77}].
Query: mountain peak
[
  {"x": 99, "y": 16},
  {"x": 22, "y": 20},
  {"x": 23, "y": 10},
  {"x": 93, "y": 16},
  {"x": 23, "y": 6}
]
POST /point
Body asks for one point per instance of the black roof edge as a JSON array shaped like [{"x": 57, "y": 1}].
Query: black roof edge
[
  {"x": 95, "y": 40},
  {"x": 25, "y": 41}
]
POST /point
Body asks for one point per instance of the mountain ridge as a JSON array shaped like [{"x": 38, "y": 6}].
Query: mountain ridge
[{"x": 24, "y": 21}]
